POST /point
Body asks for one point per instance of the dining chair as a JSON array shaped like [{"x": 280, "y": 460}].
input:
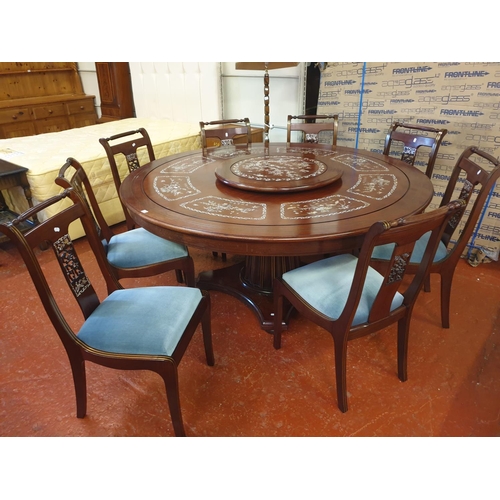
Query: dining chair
[
  {"x": 311, "y": 129},
  {"x": 144, "y": 328},
  {"x": 412, "y": 138},
  {"x": 224, "y": 132},
  {"x": 350, "y": 299},
  {"x": 468, "y": 178},
  {"x": 136, "y": 151},
  {"x": 135, "y": 253}
]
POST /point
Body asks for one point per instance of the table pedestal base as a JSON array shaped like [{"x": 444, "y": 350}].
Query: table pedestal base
[{"x": 251, "y": 282}]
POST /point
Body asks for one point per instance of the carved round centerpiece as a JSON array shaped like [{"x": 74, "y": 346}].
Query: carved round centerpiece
[
  {"x": 278, "y": 168},
  {"x": 277, "y": 173}
]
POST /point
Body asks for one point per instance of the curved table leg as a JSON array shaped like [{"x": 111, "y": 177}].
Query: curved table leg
[{"x": 251, "y": 282}]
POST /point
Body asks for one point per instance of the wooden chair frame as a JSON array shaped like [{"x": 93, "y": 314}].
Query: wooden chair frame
[
  {"x": 184, "y": 266},
  {"x": 225, "y": 131},
  {"x": 54, "y": 233},
  {"x": 413, "y": 137},
  {"x": 129, "y": 150},
  {"x": 311, "y": 129},
  {"x": 404, "y": 233},
  {"x": 465, "y": 178}
]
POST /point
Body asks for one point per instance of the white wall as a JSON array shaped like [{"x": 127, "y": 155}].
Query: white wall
[
  {"x": 180, "y": 91},
  {"x": 243, "y": 96},
  {"x": 194, "y": 91}
]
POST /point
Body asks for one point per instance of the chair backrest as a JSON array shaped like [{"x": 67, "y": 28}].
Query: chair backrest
[
  {"x": 54, "y": 233},
  {"x": 403, "y": 235},
  {"x": 413, "y": 137},
  {"x": 468, "y": 178},
  {"x": 223, "y": 132},
  {"x": 311, "y": 129},
  {"x": 73, "y": 175},
  {"x": 129, "y": 149}
]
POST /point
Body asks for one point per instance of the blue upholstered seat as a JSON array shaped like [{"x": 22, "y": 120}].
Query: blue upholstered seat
[
  {"x": 136, "y": 253},
  {"x": 325, "y": 285},
  {"x": 146, "y": 320},
  {"x": 378, "y": 297},
  {"x": 138, "y": 247},
  {"x": 143, "y": 328},
  {"x": 384, "y": 252},
  {"x": 474, "y": 175}
]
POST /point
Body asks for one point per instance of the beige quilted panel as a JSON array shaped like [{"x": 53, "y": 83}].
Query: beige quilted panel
[{"x": 44, "y": 154}]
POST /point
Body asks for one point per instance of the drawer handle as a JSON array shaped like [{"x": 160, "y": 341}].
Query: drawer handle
[
  {"x": 82, "y": 107},
  {"x": 14, "y": 117},
  {"x": 50, "y": 111}
]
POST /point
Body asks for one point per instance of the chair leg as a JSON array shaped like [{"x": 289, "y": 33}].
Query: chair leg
[
  {"x": 278, "y": 319},
  {"x": 178, "y": 274},
  {"x": 403, "y": 335},
  {"x": 80, "y": 382},
  {"x": 189, "y": 277},
  {"x": 206, "y": 328},
  {"x": 174, "y": 404},
  {"x": 427, "y": 283},
  {"x": 340, "y": 348},
  {"x": 446, "y": 280}
]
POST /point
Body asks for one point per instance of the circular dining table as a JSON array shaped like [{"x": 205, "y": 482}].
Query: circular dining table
[{"x": 271, "y": 204}]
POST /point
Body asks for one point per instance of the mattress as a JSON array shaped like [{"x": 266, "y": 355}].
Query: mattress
[{"x": 44, "y": 155}]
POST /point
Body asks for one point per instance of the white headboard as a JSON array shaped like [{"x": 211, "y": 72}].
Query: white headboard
[{"x": 179, "y": 91}]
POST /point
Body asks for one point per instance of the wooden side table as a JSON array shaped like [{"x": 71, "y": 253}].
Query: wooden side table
[{"x": 12, "y": 175}]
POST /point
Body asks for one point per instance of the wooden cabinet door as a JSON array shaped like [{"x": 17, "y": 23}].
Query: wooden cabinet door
[
  {"x": 15, "y": 122},
  {"x": 115, "y": 89},
  {"x": 50, "y": 117},
  {"x": 17, "y": 129},
  {"x": 81, "y": 113},
  {"x": 54, "y": 124},
  {"x": 82, "y": 120}
]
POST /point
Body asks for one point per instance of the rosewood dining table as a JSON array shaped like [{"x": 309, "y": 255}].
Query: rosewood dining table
[{"x": 272, "y": 205}]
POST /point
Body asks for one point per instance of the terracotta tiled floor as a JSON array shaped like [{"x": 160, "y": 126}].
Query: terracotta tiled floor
[{"x": 453, "y": 386}]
